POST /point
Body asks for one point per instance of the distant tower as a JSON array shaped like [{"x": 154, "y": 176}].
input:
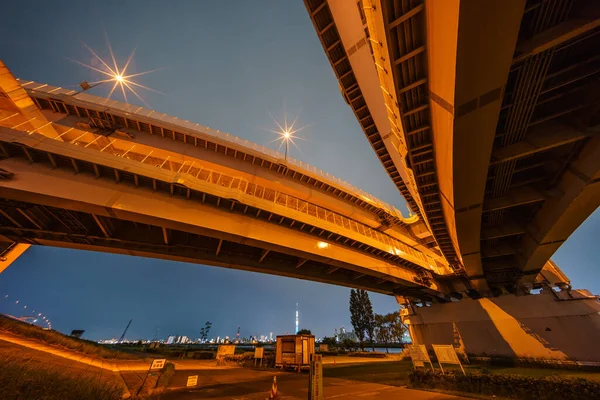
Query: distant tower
[
  {"x": 238, "y": 334},
  {"x": 296, "y": 318}
]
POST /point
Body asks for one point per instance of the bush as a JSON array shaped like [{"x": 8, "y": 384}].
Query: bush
[
  {"x": 25, "y": 381},
  {"x": 204, "y": 355},
  {"x": 247, "y": 359},
  {"x": 509, "y": 386},
  {"x": 369, "y": 354},
  {"x": 511, "y": 362},
  {"x": 165, "y": 376},
  {"x": 328, "y": 353}
]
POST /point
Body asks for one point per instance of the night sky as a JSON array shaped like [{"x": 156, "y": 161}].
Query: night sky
[{"x": 227, "y": 64}]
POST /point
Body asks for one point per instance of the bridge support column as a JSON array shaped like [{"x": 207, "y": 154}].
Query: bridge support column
[{"x": 564, "y": 325}]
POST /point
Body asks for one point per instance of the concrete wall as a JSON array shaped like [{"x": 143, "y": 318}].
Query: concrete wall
[{"x": 536, "y": 326}]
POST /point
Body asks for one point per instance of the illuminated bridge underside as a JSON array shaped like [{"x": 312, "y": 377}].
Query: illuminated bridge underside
[
  {"x": 87, "y": 173},
  {"x": 78, "y": 211},
  {"x": 489, "y": 112}
]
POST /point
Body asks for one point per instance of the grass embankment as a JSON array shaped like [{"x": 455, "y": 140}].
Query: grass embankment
[
  {"x": 25, "y": 380},
  {"x": 54, "y": 338}
]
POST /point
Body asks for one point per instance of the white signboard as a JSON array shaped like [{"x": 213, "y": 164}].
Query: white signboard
[
  {"x": 259, "y": 352},
  {"x": 446, "y": 354},
  {"x": 158, "y": 363},
  {"x": 225, "y": 350},
  {"x": 418, "y": 355},
  {"x": 192, "y": 380},
  {"x": 316, "y": 378}
]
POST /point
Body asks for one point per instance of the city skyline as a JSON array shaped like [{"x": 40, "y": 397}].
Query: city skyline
[{"x": 278, "y": 317}]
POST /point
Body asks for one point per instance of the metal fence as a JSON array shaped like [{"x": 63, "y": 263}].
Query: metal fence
[
  {"x": 105, "y": 144},
  {"x": 201, "y": 129}
]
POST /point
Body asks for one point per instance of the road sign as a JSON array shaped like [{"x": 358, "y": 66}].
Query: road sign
[
  {"x": 192, "y": 380},
  {"x": 225, "y": 350},
  {"x": 158, "y": 363},
  {"x": 316, "y": 378},
  {"x": 418, "y": 355},
  {"x": 446, "y": 354},
  {"x": 259, "y": 352}
]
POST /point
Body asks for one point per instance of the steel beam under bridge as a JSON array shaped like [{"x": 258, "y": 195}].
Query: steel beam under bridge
[{"x": 58, "y": 208}]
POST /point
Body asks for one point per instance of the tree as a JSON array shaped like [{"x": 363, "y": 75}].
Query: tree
[
  {"x": 348, "y": 344},
  {"x": 356, "y": 315},
  {"x": 369, "y": 317},
  {"x": 382, "y": 330},
  {"x": 204, "y": 331},
  {"x": 397, "y": 327},
  {"x": 329, "y": 341},
  {"x": 304, "y": 332},
  {"x": 361, "y": 316}
]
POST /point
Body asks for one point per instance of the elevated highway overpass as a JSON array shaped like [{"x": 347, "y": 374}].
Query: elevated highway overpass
[
  {"x": 89, "y": 173},
  {"x": 485, "y": 115}
]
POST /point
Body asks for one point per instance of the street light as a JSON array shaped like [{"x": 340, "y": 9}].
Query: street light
[
  {"x": 286, "y": 134},
  {"x": 116, "y": 75}
]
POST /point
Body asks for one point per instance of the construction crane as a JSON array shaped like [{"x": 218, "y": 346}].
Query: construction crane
[{"x": 124, "y": 332}]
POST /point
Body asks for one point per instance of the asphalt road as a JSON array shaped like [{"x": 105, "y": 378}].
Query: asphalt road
[{"x": 245, "y": 384}]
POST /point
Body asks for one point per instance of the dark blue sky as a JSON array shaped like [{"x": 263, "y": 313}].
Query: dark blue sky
[{"x": 227, "y": 64}]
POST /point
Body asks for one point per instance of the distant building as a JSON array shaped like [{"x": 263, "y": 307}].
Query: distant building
[
  {"x": 347, "y": 335},
  {"x": 183, "y": 340},
  {"x": 178, "y": 340}
]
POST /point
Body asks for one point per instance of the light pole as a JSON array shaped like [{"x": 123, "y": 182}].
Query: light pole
[
  {"x": 85, "y": 85},
  {"x": 286, "y": 137}
]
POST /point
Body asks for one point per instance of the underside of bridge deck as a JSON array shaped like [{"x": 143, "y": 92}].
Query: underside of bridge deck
[{"x": 495, "y": 112}]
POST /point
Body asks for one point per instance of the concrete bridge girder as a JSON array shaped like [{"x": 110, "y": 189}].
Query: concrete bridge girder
[
  {"x": 187, "y": 157},
  {"x": 77, "y": 152},
  {"x": 63, "y": 190},
  {"x": 577, "y": 197},
  {"x": 166, "y": 123}
]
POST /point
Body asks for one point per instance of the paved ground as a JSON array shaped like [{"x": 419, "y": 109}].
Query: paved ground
[{"x": 245, "y": 384}]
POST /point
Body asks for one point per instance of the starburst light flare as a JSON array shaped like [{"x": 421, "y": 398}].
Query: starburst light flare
[
  {"x": 117, "y": 75},
  {"x": 286, "y": 133}
]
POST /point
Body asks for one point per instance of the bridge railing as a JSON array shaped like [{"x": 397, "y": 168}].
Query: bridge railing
[
  {"x": 393, "y": 245},
  {"x": 129, "y": 108},
  {"x": 135, "y": 152}
]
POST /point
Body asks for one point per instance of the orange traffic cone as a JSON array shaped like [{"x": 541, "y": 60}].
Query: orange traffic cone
[{"x": 274, "y": 393}]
